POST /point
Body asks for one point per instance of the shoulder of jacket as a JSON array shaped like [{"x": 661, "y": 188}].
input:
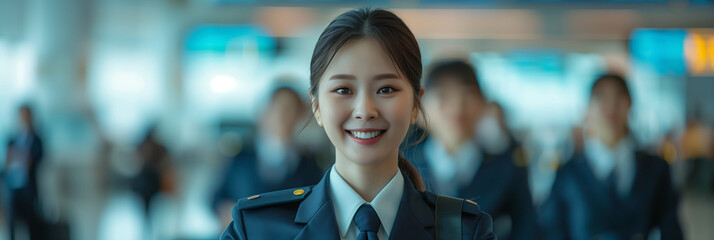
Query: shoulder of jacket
[
  {"x": 274, "y": 198},
  {"x": 652, "y": 161},
  {"x": 647, "y": 155}
]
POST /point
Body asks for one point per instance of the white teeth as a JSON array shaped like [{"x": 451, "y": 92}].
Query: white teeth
[{"x": 365, "y": 135}]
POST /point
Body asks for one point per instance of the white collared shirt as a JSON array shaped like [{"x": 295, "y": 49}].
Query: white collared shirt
[
  {"x": 346, "y": 201},
  {"x": 452, "y": 171},
  {"x": 605, "y": 160}
]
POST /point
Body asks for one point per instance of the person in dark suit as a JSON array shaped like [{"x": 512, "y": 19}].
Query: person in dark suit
[
  {"x": 155, "y": 174},
  {"x": 24, "y": 157},
  {"x": 609, "y": 189},
  {"x": 452, "y": 160},
  {"x": 273, "y": 161},
  {"x": 365, "y": 93}
]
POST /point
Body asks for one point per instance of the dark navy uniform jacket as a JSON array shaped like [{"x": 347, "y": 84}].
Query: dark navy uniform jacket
[
  {"x": 241, "y": 178},
  {"x": 582, "y": 207},
  {"x": 36, "y": 153},
  {"x": 500, "y": 186},
  {"x": 308, "y": 214}
]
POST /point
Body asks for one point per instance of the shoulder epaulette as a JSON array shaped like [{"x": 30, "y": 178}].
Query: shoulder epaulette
[
  {"x": 471, "y": 207},
  {"x": 274, "y": 198}
]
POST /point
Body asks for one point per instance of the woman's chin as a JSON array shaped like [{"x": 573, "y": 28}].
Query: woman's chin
[{"x": 369, "y": 159}]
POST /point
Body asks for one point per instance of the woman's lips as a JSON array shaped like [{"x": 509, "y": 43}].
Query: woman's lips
[{"x": 366, "y": 136}]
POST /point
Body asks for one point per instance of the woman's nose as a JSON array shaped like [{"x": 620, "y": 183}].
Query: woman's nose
[{"x": 365, "y": 108}]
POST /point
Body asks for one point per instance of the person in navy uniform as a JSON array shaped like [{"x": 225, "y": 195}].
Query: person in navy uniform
[
  {"x": 365, "y": 93},
  {"x": 274, "y": 161},
  {"x": 24, "y": 156},
  {"x": 609, "y": 189},
  {"x": 454, "y": 161}
]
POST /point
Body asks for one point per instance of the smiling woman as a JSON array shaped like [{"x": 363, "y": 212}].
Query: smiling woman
[{"x": 366, "y": 93}]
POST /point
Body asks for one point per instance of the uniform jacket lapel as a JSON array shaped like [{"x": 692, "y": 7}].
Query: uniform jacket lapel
[
  {"x": 597, "y": 192},
  {"x": 317, "y": 213},
  {"x": 415, "y": 219}
]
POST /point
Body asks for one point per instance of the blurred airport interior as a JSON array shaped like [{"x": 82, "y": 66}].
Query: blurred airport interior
[{"x": 142, "y": 107}]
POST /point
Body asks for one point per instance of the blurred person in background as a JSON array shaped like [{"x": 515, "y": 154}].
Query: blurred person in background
[
  {"x": 610, "y": 189},
  {"x": 156, "y": 174},
  {"x": 455, "y": 162},
  {"x": 23, "y": 159},
  {"x": 273, "y": 160}
]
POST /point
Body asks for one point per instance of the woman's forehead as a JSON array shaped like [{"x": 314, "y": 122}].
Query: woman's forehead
[{"x": 361, "y": 57}]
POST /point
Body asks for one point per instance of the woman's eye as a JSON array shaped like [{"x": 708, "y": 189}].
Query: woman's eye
[
  {"x": 343, "y": 91},
  {"x": 386, "y": 90}
]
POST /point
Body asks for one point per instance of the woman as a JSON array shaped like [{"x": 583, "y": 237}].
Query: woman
[
  {"x": 611, "y": 190},
  {"x": 365, "y": 91}
]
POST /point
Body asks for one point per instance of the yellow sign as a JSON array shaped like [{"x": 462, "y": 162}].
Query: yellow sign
[{"x": 699, "y": 52}]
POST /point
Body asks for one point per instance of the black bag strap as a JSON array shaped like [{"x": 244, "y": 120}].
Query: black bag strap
[{"x": 448, "y": 218}]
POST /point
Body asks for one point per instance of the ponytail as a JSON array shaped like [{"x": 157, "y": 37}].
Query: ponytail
[{"x": 411, "y": 172}]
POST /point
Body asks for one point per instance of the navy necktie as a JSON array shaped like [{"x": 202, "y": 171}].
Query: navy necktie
[{"x": 367, "y": 222}]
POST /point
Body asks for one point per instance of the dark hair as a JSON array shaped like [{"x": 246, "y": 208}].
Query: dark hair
[
  {"x": 618, "y": 80},
  {"x": 455, "y": 69},
  {"x": 25, "y": 107},
  {"x": 393, "y": 36}
]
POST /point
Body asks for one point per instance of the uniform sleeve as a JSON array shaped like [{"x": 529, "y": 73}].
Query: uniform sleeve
[
  {"x": 235, "y": 229},
  {"x": 484, "y": 230},
  {"x": 551, "y": 215},
  {"x": 668, "y": 221},
  {"x": 521, "y": 210}
]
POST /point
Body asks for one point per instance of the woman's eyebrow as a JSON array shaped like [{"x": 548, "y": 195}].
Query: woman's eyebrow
[
  {"x": 343, "y": 77},
  {"x": 352, "y": 77},
  {"x": 386, "y": 76}
]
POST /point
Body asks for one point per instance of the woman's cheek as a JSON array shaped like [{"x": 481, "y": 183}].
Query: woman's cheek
[
  {"x": 400, "y": 112},
  {"x": 335, "y": 112}
]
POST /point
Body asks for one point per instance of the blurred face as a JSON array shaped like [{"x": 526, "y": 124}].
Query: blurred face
[
  {"x": 453, "y": 110},
  {"x": 609, "y": 108},
  {"x": 283, "y": 114},
  {"x": 364, "y": 103},
  {"x": 26, "y": 119}
]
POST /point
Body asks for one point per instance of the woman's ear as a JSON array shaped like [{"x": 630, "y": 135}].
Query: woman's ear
[
  {"x": 415, "y": 112},
  {"x": 315, "y": 110}
]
